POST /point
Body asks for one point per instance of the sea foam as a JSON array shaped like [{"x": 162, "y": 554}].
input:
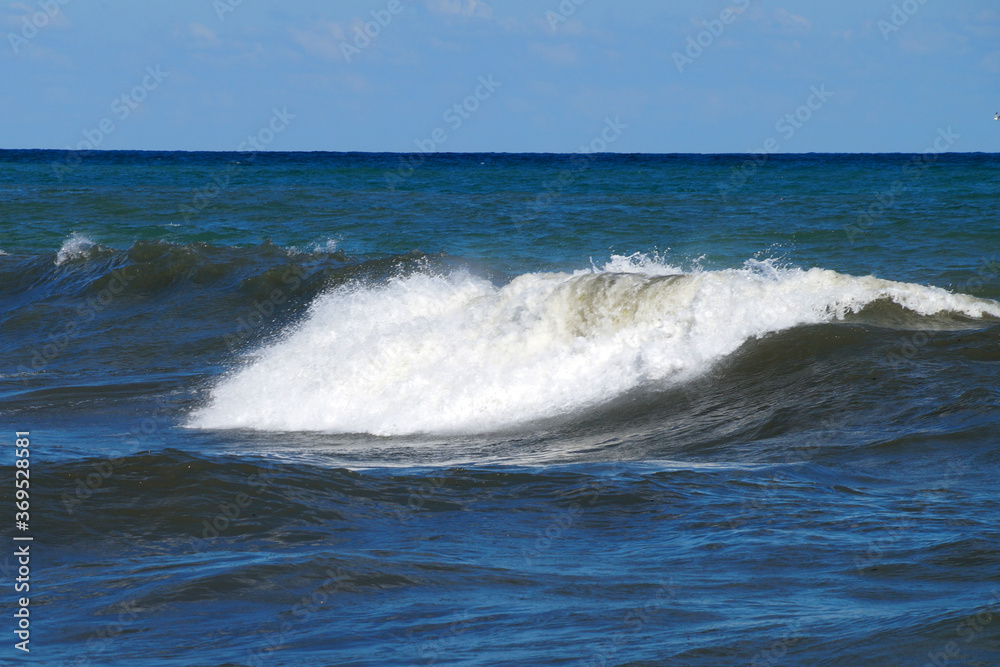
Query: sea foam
[
  {"x": 77, "y": 245},
  {"x": 453, "y": 354}
]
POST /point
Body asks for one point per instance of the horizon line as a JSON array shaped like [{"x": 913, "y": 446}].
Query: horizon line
[{"x": 505, "y": 153}]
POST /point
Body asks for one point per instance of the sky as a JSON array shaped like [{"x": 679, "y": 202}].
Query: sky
[{"x": 556, "y": 76}]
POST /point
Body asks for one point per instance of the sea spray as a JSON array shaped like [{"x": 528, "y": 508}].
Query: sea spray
[{"x": 455, "y": 353}]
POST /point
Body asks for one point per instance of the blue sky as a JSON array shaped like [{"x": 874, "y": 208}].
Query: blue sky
[{"x": 681, "y": 76}]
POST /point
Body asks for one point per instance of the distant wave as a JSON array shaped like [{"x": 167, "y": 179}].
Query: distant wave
[
  {"x": 75, "y": 247},
  {"x": 454, "y": 353},
  {"x": 328, "y": 246}
]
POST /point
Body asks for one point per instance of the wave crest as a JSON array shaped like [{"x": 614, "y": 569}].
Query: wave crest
[
  {"x": 454, "y": 353},
  {"x": 77, "y": 246}
]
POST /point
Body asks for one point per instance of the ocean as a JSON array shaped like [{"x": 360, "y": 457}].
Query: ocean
[{"x": 490, "y": 409}]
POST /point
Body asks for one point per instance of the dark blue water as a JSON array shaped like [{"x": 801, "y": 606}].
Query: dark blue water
[{"x": 360, "y": 409}]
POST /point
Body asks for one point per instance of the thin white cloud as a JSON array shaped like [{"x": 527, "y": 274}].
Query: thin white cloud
[
  {"x": 19, "y": 11},
  {"x": 792, "y": 22},
  {"x": 926, "y": 42},
  {"x": 323, "y": 38},
  {"x": 562, "y": 55},
  {"x": 464, "y": 8},
  {"x": 203, "y": 32}
]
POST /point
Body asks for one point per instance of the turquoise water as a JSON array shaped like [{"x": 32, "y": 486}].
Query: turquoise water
[{"x": 492, "y": 409}]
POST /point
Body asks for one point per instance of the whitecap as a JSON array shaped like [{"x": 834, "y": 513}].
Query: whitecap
[
  {"x": 457, "y": 354},
  {"x": 77, "y": 245}
]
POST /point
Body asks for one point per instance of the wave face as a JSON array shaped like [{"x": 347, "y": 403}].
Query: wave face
[{"x": 453, "y": 353}]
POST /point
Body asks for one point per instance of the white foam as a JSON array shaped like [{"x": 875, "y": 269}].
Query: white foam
[
  {"x": 452, "y": 354},
  {"x": 328, "y": 246},
  {"x": 77, "y": 245}
]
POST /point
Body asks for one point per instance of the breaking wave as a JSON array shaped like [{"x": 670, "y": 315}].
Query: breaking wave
[{"x": 455, "y": 353}]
